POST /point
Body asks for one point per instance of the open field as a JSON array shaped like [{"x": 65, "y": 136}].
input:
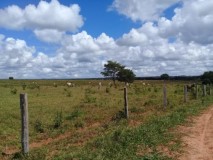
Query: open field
[{"x": 86, "y": 122}]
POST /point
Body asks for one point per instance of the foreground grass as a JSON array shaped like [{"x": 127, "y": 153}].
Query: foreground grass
[
  {"x": 149, "y": 141},
  {"x": 90, "y": 122}
]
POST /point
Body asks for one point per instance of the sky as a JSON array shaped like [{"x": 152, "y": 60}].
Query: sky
[{"x": 75, "y": 38}]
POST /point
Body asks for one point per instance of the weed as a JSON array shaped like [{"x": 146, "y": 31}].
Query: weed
[
  {"x": 13, "y": 91},
  {"x": 89, "y": 99},
  {"x": 24, "y": 86},
  {"x": 79, "y": 124},
  {"x": 39, "y": 126},
  {"x": 89, "y": 91},
  {"x": 58, "y": 120},
  {"x": 75, "y": 114},
  {"x": 118, "y": 116},
  {"x": 107, "y": 90}
]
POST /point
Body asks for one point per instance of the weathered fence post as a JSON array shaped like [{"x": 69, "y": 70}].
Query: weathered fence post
[
  {"x": 204, "y": 90},
  {"x": 24, "y": 123},
  {"x": 126, "y": 103},
  {"x": 185, "y": 93},
  {"x": 196, "y": 91},
  {"x": 164, "y": 96}
]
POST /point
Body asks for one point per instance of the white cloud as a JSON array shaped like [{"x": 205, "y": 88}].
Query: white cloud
[
  {"x": 192, "y": 22},
  {"x": 75, "y": 58},
  {"x": 49, "y": 35},
  {"x": 148, "y": 50},
  {"x": 142, "y": 10},
  {"x": 45, "y": 18}
]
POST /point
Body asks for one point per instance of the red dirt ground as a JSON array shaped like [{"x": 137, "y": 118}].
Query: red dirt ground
[{"x": 198, "y": 141}]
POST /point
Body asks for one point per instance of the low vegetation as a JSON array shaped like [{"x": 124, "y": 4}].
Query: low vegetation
[{"x": 87, "y": 122}]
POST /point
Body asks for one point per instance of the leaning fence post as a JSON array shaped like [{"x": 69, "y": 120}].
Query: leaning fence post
[
  {"x": 164, "y": 96},
  {"x": 24, "y": 123},
  {"x": 126, "y": 103},
  {"x": 185, "y": 93}
]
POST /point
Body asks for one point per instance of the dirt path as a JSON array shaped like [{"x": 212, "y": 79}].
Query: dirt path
[{"x": 198, "y": 141}]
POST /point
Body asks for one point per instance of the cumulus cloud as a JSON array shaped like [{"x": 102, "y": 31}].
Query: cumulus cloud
[
  {"x": 144, "y": 10},
  {"x": 147, "y": 50},
  {"x": 49, "y": 35},
  {"x": 46, "y": 18},
  {"x": 77, "y": 59},
  {"x": 192, "y": 22}
]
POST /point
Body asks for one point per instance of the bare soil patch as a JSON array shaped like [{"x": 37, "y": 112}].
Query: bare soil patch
[{"x": 198, "y": 139}]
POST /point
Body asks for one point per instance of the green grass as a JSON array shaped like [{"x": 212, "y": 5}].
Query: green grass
[
  {"x": 93, "y": 118},
  {"x": 129, "y": 143}
]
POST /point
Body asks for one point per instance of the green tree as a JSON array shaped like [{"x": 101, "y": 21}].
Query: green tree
[
  {"x": 207, "y": 77},
  {"x": 126, "y": 75},
  {"x": 111, "y": 69},
  {"x": 164, "y": 76}
]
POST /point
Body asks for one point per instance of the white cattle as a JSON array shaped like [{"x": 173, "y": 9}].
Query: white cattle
[{"x": 69, "y": 84}]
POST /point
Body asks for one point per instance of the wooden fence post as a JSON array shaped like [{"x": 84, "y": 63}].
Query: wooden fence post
[
  {"x": 164, "y": 96},
  {"x": 126, "y": 103},
  {"x": 204, "y": 90},
  {"x": 185, "y": 93},
  {"x": 24, "y": 123}
]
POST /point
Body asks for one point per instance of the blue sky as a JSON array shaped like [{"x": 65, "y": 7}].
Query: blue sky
[{"x": 74, "y": 39}]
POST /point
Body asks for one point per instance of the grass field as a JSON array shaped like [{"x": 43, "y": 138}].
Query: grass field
[{"x": 86, "y": 122}]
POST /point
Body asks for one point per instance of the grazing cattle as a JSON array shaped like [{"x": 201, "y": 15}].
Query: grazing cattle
[
  {"x": 99, "y": 85},
  {"x": 69, "y": 84}
]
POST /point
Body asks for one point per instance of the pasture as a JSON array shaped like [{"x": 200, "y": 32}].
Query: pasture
[{"x": 84, "y": 120}]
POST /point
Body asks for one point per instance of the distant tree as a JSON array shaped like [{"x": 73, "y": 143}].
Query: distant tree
[
  {"x": 164, "y": 76},
  {"x": 207, "y": 77},
  {"x": 111, "y": 69},
  {"x": 126, "y": 75},
  {"x": 11, "y": 78}
]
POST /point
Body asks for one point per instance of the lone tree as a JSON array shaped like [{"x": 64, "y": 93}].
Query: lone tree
[
  {"x": 207, "y": 77},
  {"x": 126, "y": 75},
  {"x": 111, "y": 69},
  {"x": 164, "y": 76}
]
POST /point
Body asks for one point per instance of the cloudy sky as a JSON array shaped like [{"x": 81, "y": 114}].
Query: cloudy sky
[{"x": 75, "y": 38}]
